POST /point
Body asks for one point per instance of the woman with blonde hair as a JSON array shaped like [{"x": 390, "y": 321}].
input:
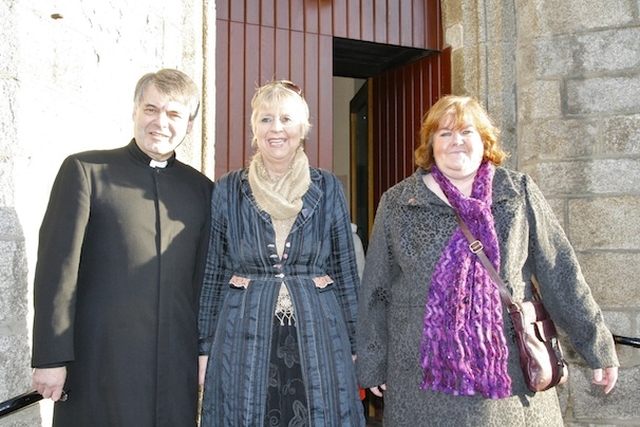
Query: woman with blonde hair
[{"x": 279, "y": 302}]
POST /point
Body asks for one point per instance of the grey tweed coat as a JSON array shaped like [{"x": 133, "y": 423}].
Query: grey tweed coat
[{"x": 411, "y": 229}]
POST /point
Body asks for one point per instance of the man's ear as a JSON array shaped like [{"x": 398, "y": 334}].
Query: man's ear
[{"x": 189, "y": 126}]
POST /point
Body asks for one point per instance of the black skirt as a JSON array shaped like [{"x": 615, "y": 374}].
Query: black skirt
[{"x": 286, "y": 397}]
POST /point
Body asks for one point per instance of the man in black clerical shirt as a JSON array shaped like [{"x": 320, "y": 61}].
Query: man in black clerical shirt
[{"x": 120, "y": 260}]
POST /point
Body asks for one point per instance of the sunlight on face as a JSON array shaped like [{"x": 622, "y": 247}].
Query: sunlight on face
[
  {"x": 278, "y": 131},
  {"x": 457, "y": 149},
  {"x": 160, "y": 125}
]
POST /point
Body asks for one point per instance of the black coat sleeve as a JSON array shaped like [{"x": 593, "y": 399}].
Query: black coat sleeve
[{"x": 60, "y": 243}]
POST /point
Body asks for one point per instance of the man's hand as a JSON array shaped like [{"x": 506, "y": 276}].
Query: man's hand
[{"x": 49, "y": 382}]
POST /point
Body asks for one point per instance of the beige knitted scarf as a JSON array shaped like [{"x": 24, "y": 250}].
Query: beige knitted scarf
[{"x": 282, "y": 197}]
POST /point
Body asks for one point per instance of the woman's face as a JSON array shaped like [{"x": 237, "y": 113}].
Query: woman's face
[
  {"x": 457, "y": 152},
  {"x": 278, "y": 131}
]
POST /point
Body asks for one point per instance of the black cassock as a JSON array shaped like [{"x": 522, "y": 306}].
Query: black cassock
[{"x": 120, "y": 260}]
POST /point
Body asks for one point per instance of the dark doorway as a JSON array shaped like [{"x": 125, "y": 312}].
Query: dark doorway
[
  {"x": 360, "y": 163},
  {"x": 385, "y": 116},
  {"x": 362, "y": 59}
]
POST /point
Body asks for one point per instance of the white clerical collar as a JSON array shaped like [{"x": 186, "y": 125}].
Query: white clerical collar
[{"x": 157, "y": 164}]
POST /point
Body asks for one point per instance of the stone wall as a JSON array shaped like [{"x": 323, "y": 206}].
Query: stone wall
[
  {"x": 67, "y": 74},
  {"x": 562, "y": 79}
]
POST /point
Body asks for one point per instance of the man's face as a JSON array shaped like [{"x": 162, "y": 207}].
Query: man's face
[{"x": 160, "y": 125}]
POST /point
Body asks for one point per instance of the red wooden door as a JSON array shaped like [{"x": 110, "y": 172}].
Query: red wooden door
[
  {"x": 262, "y": 40},
  {"x": 397, "y": 101}
]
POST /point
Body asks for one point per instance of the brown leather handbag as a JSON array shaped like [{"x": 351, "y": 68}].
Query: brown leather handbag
[{"x": 541, "y": 357}]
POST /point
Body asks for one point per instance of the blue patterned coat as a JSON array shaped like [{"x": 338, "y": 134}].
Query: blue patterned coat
[
  {"x": 411, "y": 230},
  {"x": 236, "y": 322}
]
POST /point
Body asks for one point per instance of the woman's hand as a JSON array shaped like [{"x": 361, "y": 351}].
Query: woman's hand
[
  {"x": 202, "y": 368},
  {"x": 378, "y": 391},
  {"x": 606, "y": 378}
]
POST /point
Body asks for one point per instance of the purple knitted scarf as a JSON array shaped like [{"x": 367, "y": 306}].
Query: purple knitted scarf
[{"x": 463, "y": 345}]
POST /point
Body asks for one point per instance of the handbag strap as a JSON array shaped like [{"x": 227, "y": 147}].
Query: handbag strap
[{"x": 477, "y": 248}]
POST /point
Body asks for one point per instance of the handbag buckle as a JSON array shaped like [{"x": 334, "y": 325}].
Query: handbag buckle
[{"x": 476, "y": 246}]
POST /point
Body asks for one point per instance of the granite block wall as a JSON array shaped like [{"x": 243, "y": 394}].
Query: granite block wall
[{"x": 562, "y": 77}]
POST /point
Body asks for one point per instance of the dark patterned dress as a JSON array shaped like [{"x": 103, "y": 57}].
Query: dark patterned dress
[{"x": 286, "y": 399}]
